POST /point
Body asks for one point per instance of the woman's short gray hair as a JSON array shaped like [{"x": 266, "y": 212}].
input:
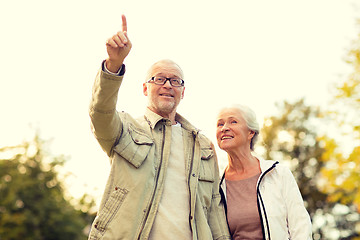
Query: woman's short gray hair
[{"x": 250, "y": 118}]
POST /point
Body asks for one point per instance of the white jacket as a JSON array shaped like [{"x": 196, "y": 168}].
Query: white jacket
[{"x": 282, "y": 212}]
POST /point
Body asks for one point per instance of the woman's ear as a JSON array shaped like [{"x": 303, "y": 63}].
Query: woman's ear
[{"x": 251, "y": 134}]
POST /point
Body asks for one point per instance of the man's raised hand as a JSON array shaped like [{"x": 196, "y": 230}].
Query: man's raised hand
[{"x": 118, "y": 47}]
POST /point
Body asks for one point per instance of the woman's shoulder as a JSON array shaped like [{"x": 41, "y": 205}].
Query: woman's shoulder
[{"x": 276, "y": 166}]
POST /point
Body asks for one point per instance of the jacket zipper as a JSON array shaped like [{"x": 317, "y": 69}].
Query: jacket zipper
[
  {"x": 260, "y": 201},
  {"x": 156, "y": 183},
  {"x": 189, "y": 179}
]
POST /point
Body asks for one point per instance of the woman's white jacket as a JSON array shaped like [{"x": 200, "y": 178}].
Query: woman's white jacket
[{"x": 280, "y": 204}]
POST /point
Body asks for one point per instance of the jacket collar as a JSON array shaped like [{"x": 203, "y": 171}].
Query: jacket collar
[
  {"x": 265, "y": 165},
  {"x": 153, "y": 119}
]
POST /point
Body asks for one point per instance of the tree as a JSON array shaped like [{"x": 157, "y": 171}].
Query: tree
[
  {"x": 293, "y": 138},
  {"x": 32, "y": 199},
  {"x": 342, "y": 170}
]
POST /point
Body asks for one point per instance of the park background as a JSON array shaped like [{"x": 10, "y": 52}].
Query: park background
[{"x": 281, "y": 58}]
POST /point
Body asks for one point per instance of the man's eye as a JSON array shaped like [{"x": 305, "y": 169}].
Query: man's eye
[{"x": 175, "y": 80}]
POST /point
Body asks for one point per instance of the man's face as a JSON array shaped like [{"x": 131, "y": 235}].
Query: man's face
[{"x": 164, "y": 99}]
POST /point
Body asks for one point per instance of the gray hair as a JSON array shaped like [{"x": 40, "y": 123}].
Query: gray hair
[
  {"x": 167, "y": 61},
  {"x": 250, "y": 118}
]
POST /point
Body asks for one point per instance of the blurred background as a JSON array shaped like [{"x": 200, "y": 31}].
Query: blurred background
[{"x": 295, "y": 63}]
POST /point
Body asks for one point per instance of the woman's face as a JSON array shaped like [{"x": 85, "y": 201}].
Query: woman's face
[{"x": 232, "y": 131}]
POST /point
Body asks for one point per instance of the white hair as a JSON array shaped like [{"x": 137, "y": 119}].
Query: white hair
[{"x": 167, "y": 61}]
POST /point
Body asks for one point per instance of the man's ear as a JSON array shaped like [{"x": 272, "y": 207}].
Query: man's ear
[
  {"x": 182, "y": 94},
  {"x": 145, "y": 89}
]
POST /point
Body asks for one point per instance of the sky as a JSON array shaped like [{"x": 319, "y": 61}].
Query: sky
[{"x": 256, "y": 53}]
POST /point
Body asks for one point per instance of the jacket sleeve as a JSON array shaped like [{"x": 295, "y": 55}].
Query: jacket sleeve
[
  {"x": 105, "y": 121},
  {"x": 217, "y": 219},
  {"x": 299, "y": 223}
]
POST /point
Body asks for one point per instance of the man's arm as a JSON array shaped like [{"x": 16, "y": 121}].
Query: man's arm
[
  {"x": 217, "y": 219},
  {"x": 105, "y": 121},
  {"x": 118, "y": 47}
]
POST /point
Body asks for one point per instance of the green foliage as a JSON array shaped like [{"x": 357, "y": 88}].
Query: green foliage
[
  {"x": 342, "y": 168},
  {"x": 293, "y": 138},
  {"x": 32, "y": 199}
]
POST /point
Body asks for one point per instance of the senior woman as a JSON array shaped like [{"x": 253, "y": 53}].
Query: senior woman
[{"x": 261, "y": 197}]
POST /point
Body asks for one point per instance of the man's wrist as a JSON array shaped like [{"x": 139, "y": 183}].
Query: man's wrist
[
  {"x": 112, "y": 67},
  {"x": 119, "y": 72}
]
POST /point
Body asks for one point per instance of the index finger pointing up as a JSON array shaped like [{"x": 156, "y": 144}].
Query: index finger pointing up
[{"x": 124, "y": 25}]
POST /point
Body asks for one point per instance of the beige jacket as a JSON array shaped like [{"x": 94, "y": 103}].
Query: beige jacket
[{"x": 139, "y": 151}]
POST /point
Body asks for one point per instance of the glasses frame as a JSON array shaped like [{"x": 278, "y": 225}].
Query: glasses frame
[{"x": 152, "y": 80}]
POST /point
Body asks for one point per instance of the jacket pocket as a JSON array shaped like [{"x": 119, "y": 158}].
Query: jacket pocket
[
  {"x": 109, "y": 210},
  {"x": 206, "y": 166},
  {"x": 206, "y": 179},
  {"x": 134, "y": 146}
]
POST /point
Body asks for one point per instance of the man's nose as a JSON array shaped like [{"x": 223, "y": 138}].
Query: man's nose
[{"x": 167, "y": 83}]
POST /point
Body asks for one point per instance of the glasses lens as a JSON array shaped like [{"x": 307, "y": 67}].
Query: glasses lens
[
  {"x": 176, "y": 82},
  {"x": 159, "y": 80}
]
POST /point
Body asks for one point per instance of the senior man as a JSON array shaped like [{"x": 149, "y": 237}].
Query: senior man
[{"x": 163, "y": 182}]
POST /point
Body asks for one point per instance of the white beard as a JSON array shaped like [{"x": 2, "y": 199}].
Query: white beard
[{"x": 163, "y": 107}]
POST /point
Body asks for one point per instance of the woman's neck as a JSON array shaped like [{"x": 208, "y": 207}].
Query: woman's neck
[{"x": 242, "y": 165}]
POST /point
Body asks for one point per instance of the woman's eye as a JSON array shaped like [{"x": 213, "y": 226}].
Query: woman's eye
[{"x": 234, "y": 122}]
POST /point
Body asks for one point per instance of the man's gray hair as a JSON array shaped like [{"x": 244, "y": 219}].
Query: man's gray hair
[{"x": 168, "y": 61}]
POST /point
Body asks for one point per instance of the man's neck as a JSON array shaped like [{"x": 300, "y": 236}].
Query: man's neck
[{"x": 170, "y": 116}]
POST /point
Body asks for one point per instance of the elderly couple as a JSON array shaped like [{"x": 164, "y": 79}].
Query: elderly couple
[{"x": 164, "y": 180}]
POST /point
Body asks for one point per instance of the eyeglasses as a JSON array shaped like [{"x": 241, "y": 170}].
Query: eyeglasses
[{"x": 175, "y": 82}]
